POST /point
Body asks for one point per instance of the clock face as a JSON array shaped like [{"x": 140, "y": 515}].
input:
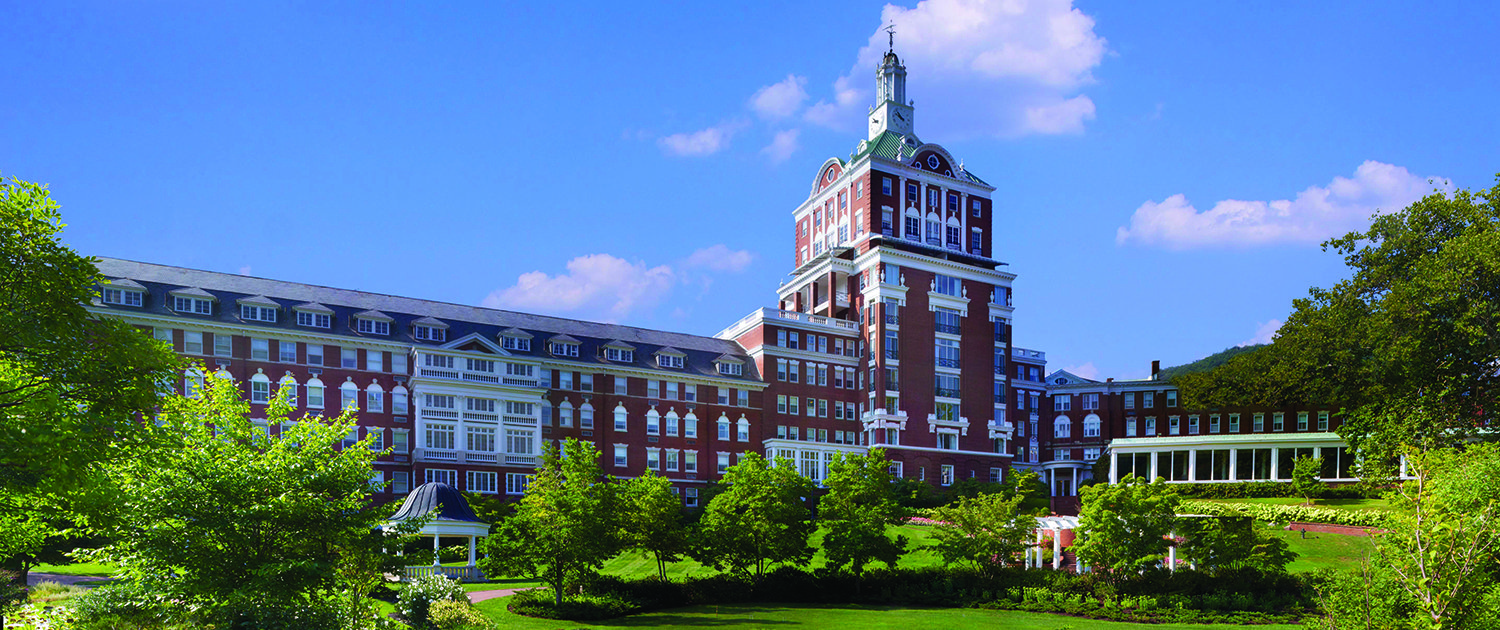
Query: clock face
[{"x": 900, "y": 116}]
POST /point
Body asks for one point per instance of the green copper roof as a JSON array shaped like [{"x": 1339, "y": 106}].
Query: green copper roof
[{"x": 889, "y": 142}]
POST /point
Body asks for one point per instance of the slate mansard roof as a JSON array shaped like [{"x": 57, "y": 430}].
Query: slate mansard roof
[{"x": 160, "y": 280}]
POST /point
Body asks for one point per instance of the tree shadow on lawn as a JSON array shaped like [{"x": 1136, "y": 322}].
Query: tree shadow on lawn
[{"x": 731, "y": 616}]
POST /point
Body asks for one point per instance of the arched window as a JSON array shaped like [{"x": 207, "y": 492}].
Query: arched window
[
  {"x": 288, "y": 384},
  {"x": 690, "y": 425},
  {"x": 565, "y": 414},
  {"x": 399, "y": 400},
  {"x": 620, "y": 417},
  {"x": 348, "y": 394},
  {"x": 192, "y": 382},
  {"x": 314, "y": 393},
  {"x": 375, "y": 398},
  {"x": 260, "y": 387},
  {"x": 672, "y": 423},
  {"x": 743, "y": 426},
  {"x": 723, "y": 427},
  {"x": 653, "y": 422},
  {"x": 586, "y": 416},
  {"x": 1062, "y": 427},
  {"x": 1091, "y": 426}
]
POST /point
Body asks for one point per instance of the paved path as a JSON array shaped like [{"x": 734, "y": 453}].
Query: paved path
[
  {"x": 478, "y": 596},
  {"x": 33, "y": 578}
]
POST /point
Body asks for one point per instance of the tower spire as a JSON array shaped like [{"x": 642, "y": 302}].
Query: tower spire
[{"x": 891, "y": 31}]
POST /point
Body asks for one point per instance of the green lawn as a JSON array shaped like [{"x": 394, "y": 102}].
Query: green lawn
[
  {"x": 1338, "y": 504},
  {"x": 1323, "y": 551},
  {"x": 80, "y": 568},
  {"x": 863, "y": 617}
]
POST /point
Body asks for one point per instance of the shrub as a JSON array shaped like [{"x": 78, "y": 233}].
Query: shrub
[
  {"x": 291, "y": 613},
  {"x": 120, "y": 604},
  {"x": 415, "y": 601},
  {"x": 452, "y": 615},
  {"x": 589, "y": 607},
  {"x": 1287, "y": 513},
  {"x": 453, "y": 553}
]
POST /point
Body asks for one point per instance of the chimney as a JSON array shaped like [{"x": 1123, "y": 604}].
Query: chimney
[
  {"x": 1155, "y": 370},
  {"x": 1110, "y": 379}
]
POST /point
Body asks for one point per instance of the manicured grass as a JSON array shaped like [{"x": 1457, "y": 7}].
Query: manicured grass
[
  {"x": 1338, "y": 504},
  {"x": 79, "y": 568},
  {"x": 1323, "y": 551},
  {"x": 850, "y": 616}
]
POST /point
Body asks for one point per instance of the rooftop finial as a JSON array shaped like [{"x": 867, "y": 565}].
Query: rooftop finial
[{"x": 891, "y": 31}]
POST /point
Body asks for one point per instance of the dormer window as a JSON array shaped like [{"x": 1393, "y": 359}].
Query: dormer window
[
  {"x": 257, "y": 313},
  {"x": 564, "y": 349},
  {"x": 515, "y": 343},
  {"x": 313, "y": 315},
  {"x": 372, "y": 323},
  {"x": 429, "y": 329},
  {"x": 616, "y": 354},
  {"x": 123, "y": 297},
  {"x": 196, "y": 301},
  {"x": 669, "y": 361},
  {"x": 731, "y": 369}
]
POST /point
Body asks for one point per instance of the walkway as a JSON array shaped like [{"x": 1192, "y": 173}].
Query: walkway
[
  {"x": 478, "y": 596},
  {"x": 33, "y": 578}
]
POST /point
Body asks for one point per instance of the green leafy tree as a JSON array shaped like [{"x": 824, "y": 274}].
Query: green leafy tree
[
  {"x": 988, "y": 530},
  {"x": 566, "y": 525},
  {"x": 760, "y": 518},
  {"x": 654, "y": 522},
  {"x": 1125, "y": 526},
  {"x": 73, "y": 387},
  {"x": 1307, "y": 477},
  {"x": 857, "y": 511},
  {"x": 1232, "y": 542},
  {"x": 1407, "y": 345},
  {"x": 227, "y": 519}
]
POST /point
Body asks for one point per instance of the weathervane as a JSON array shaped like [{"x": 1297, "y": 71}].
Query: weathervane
[{"x": 891, "y": 30}]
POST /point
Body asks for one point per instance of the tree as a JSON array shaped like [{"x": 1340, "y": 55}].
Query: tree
[
  {"x": 654, "y": 524},
  {"x": 1228, "y": 542},
  {"x": 761, "y": 518},
  {"x": 72, "y": 387},
  {"x": 1307, "y": 477},
  {"x": 566, "y": 525},
  {"x": 1407, "y": 345},
  {"x": 226, "y": 518},
  {"x": 987, "y": 530},
  {"x": 857, "y": 511},
  {"x": 1125, "y": 526},
  {"x": 1444, "y": 534}
]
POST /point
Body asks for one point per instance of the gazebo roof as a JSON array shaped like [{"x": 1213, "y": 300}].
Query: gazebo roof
[{"x": 449, "y": 503}]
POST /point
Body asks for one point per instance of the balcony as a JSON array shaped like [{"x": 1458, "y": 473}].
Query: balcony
[
  {"x": 520, "y": 460},
  {"x": 951, "y": 329},
  {"x": 947, "y": 363},
  {"x": 477, "y": 457},
  {"x": 436, "y": 455},
  {"x": 841, "y": 299},
  {"x": 893, "y": 320},
  {"x": 946, "y": 393},
  {"x": 1034, "y": 355},
  {"x": 476, "y": 377},
  {"x": 892, "y": 354}
]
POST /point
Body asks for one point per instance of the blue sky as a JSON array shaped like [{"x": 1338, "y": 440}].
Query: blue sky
[{"x": 1163, "y": 171}]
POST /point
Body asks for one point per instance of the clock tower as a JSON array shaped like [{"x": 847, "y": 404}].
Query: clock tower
[{"x": 892, "y": 112}]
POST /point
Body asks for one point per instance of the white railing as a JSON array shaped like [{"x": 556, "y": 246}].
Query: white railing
[
  {"x": 480, "y": 377},
  {"x": 481, "y": 457},
  {"x": 511, "y": 380},
  {"x": 440, "y": 456},
  {"x": 469, "y": 415},
  {"x": 465, "y": 574},
  {"x": 773, "y": 313},
  {"x": 523, "y": 460},
  {"x": 1028, "y": 354},
  {"x": 440, "y": 413},
  {"x": 438, "y": 373},
  {"x": 526, "y": 420}
]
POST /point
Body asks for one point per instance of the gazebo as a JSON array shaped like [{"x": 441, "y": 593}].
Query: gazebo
[{"x": 451, "y": 516}]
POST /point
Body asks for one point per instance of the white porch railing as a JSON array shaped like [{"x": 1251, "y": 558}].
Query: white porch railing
[{"x": 466, "y": 574}]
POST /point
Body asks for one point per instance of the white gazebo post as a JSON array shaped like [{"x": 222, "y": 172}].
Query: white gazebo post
[
  {"x": 1172, "y": 553},
  {"x": 473, "y": 540},
  {"x": 436, "y": 550},
  {"x": 1039, "y": 548},
  {"x": 1114, "y": 468},
  {"x": 1056, "y": 549}
]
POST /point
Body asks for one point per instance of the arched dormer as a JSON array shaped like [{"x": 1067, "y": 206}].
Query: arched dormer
[
  {"x": 935, "y": 159},
  {"x": 830, "y": 172}
]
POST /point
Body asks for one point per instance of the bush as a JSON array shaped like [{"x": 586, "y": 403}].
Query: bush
[
  {"x": 452, "y": 615},
  {"x": 1288, "y": 513},
  {"x": 292, "y": 613},
  {"x": 415, "y": 601},
  {"x": 120, "y": 604},
  {"x": 538, "y": 603},
  {"x": 453, "y": 553}
]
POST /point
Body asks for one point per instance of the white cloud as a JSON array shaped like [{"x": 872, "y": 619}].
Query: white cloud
[
  {"x": 780, "y": 100},
  {"x": 607, "y": 288},
  {"x": 720, "y": 258},
  {"x": 982, "y": 67},
  {"x": 245, "y": 271},
  {"x": 782, "y": 146},
  {"x": 706, "y": 142},
  {"x": 1315, "y": 215},
  {"x": 1086, "y": 370},
  {"x": 1263, "y": 334}
]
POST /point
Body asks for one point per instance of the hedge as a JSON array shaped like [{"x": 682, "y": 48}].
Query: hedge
[{"x": 1288, "y": 513}]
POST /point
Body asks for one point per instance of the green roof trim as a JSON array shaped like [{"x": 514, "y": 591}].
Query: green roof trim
[{"x": 888, "y": 143}]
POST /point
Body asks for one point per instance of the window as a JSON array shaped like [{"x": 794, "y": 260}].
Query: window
[
  {"x": 192, "y": 342},
  {"x": 692, "y": 497},
  {"x": 723, "y": 462},
  {"x": 947, "y": 353},
  {"x": 516, "y": 483},
  {"x": 1062, "y": 454},
  {"x": 349, "y": 396},
  {"x": 192, "y": 305},
  {"x": 314, "y": 354},
  {"x": 375, "y": 401},
  {"x": 976, "y": 241},
  {"x": 402, "y": 483},
  {"x": 349, "y": 358},
  {"x": 794, "y": 340},
  {"x": 440, "y": 436},
  {"x": 1172, "y": 398},
  {"x": 314, "y": 320},
  {"x": 1130, "y": 426},
  {"x": 975, "y": 207},
  {"x": 1259, "y": 423},
  {"x": 586, "y": 417},
  {"x": 1129, "y": 400},
  {"x": 481, "y": 439},
  {"x": 479, "y": 365},
  {"x": 1174, "y": 425},
  {"x": 257, "y": 313},
  {"x": 400, "y": 442},
  {"x": 668, "y": 361},
  {"x": 653, "y": 423},
  {"x": 672, "y": 458},
  {"x": 1234, "y": 423},
  {"x": 947, "y": 474},
  {"x": 1322, "y": 421},
  {"x": 563, "y": 349},
  {"x": 947, "y": 441},
  {"x": 620, "y": 355},
  {"x": 223, "y": 345},
  {"x": 690, "y": 462},
  {"x": 481, "y": 481},
  {"x": 398, "y": 401},
  {"x": 374, "y": 360},
  {"x": 260, "y": 349},
  {"x": 1148, "y": 400},
  {"x": 513, "y": 342},
  {"x": 1091, "y": 426},
  {"x": 946, "y": 320},
  {"x": 1150, "y": 425},
  {"x": 372, "y": 326},
  {"x": 1213, "y": 423},
  {"x": 731, "y": 368},
  {"x": 946, "y": 285},
  {"x": 653, "y": 458},
  {"x": 520, "y": 442},
  {"x": 1278, "y": 421},
  {"x": 724, "y": 429},
  {"x": 287, "y": 351},
  {"x": 1090, "y": 402},
  {"x": 1062, "y": 427},
  {"x": 1302, "y": 421},
  {"x": 126, "y": 298},
  {"x": 1062, "y": 402},
  {"x": 1090, "y": 454},
  {"x": 744, "y": 398},
  {"x": 431, "y": 333},
  {"x": 314, "y": 394},
  {"x": 260, "y": 391},
  {"x": 436, "y": 475}
]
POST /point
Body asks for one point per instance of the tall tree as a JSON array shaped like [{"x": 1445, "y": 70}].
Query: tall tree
[
  {"x": 1307, "y": 477},
  {"x": 653, "y": 520},
  {"x": 72, "y": 387},
  {"x": 1408, "y": 345},
  {"x": 858, "y": 511},
  {"x": 1124, "y": 526},
  {"x": 227, "y": 517},
  {"x": 760, "y": 519},
  {"x": 566, "y": 525}
]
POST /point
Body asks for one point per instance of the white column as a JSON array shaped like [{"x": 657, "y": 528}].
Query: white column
[
  {"x": 1193, "y": 465},
  {"x": 1172, "y": 553},
  {"x": 472, "y": 544},
  {"x": 1038, "y": 548},
  {"x": 1056, "y": 549},
  {"x": 435, "y": 559},
  {"x": 1234, "y": 472},
  {"x": 1052, "y": 483},
  {"x": 1075, "y": 482},
  {"x": 1275, "y": 461},
  {"x": 1114, "y": 467},
  {"x": 1154, "y": 472}
]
